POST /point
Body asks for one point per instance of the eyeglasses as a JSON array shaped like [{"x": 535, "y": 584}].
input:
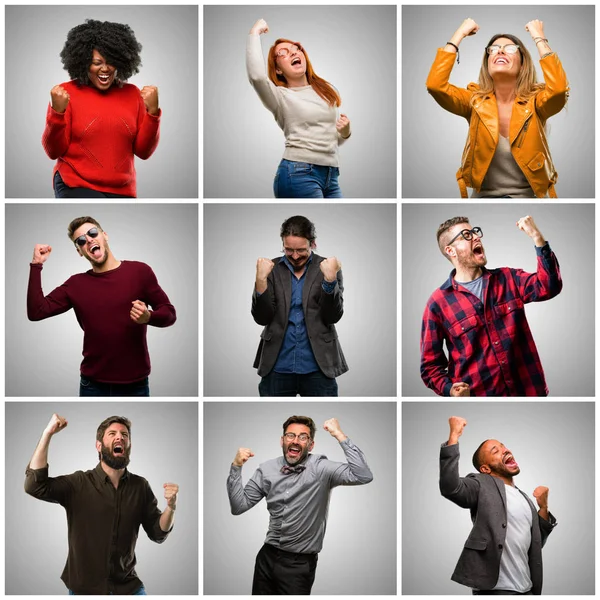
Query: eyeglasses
[
  {"x": 286, "y": 51},
  {"x": 81, "y": 240},
  {"x": 468, "y": 234},
  {"x": 298, "y": 251},
  {"x": 508, "y": 49},
  {"x": 290, "y": 437}
]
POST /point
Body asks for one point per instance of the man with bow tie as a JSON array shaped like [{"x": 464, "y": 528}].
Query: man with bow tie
[{"x": 297, "y": 488}]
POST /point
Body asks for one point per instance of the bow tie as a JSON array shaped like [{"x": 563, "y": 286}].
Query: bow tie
[{"x": 287, "y": 469}]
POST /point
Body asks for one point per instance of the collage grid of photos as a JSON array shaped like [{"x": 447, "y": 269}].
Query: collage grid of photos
[{"x": 293, "y": 226}]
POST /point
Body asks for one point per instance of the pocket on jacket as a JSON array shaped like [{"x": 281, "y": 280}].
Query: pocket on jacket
[
  {"x": 508, "y": 307},
  {"x": 480, "y": 545},
  {"x": 537, "y": 162},
  {"x": 463, "y": 326}
]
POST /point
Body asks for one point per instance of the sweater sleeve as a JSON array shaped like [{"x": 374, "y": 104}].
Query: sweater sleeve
[
  {"x": 257, "y": 74},
  {"x": 148, "y": 131},
  {"x": 57, "y": 134},
  {"x": 163, "y": 312},
  {"x": 41, "y": 307}
]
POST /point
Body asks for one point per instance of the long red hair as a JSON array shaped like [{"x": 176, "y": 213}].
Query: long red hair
[{"x": 322, "y": 87}]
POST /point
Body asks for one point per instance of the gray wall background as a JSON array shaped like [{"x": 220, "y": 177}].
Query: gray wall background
[
  {"x": 352, "y": 47},
  {"x": 553, "y": 442},
  {"x": 36, "y": 531},
  {"x": 433, "y": 139},
  {"x": 362, "y": 236},
  {"x": 359, "y": 550},
  {"x": 43, "y": 358},
  {"x": 35, "y": 35},
  {"x": 562, "y": 327}
]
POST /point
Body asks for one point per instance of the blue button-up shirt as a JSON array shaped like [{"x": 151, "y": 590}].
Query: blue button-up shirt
[{"x": 296, "y": 355}]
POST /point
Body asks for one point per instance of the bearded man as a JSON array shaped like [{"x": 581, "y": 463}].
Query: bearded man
[
  {"x": 297, "y": 487},
  {"x": 112, "y": 304},
  {"x": 105, "y": 508},
  {"x": 480, "y": 315}
]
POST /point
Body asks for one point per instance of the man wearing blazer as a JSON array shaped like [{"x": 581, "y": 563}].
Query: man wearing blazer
[
  {"x": 503, "y": 553},
  {"x": 298, "y": 298}
]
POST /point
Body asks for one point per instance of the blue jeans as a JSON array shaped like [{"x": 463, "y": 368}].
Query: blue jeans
[
  {"x": 303, "y": 180},
  {"x": 89, "y": 387},
  {"x": 140, "y": 592},
  {"x": 64, "y": 191},
  {"x": 293, "y": 384}
]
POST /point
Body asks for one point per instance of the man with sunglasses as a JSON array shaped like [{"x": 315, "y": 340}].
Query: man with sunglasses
[
  {"x": 298, "y": 299},
  {"x": 111, "y": 302},
  {"x": 480, "y": 315},
  {"x": 297, "y": 487}
]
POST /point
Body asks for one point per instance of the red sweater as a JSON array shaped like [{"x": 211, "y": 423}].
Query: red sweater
[
  {"x": 114, "y": 347},
  {"x": 95, "y": 139}
]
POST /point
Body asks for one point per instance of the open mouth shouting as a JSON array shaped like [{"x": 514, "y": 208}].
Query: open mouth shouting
[
  {"x": 296, "y": 61},
  {"x": 509, "y": 461},
  {"x": 478, "y": 250},
  {"x": 294, "y": 451},
  {"x": 95, "y": 250},
  {"x": 502, "y": 60},
  {"x": 104, "y": 78},
  {"x": 118, "y": 450}
]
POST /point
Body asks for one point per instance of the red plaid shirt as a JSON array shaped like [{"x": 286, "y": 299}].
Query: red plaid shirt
[{"x": 490, "y": 345}]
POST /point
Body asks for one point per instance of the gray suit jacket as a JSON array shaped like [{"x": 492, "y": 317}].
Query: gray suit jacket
[
  {"x": 321, "y": 311},
  {"x": 485, "y": 496}
]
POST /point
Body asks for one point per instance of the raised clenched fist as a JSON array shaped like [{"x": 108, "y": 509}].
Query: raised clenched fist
[
  {"x": 259, "y": 27},
  {"x": 263, "y": 267},
  {"x": 330, "y": 267},
  {"x": 535, "y": 28},
  {"x": 468, "y": 27},
  {"x": 243, "y": 454},
  {"x": 457, "y": 424},
  {"x": 528, "y": 226},
  {"x": 56, "y": 424},
  {"x": 149, "y": 95},
  {"x": 171, "y": 491},
  {"x": 59, "y": 98},
  {"x": 41, "y": 252},
  {"x": 541, "y": 495}
]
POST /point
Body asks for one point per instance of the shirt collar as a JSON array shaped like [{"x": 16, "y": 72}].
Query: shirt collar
[
  {"x": 101, "y": 473},
  {"x": 289, "y": 265},
  {"x": 450, "y": 283}
]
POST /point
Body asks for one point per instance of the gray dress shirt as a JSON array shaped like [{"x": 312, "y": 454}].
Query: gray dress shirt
[{"x": 297, "y": 502}]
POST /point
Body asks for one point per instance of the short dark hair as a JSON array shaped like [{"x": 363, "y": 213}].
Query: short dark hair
[
  {"x": 107, "y": 423},
  {"x": 75, "y": 224},
  {"x": 116, "y": 42},
  {"x": 299, "y": 226},
  {"x": 476, "y": 458},
  {"x": 443, "y": 229},
  {"x": 302, "y": 421}
]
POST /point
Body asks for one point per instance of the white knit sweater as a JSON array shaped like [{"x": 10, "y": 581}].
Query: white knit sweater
[{"x": 308, "y": 122}]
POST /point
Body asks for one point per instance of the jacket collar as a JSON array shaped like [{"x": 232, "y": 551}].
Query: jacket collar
[
  {"x": 487, "y": 109},
  {"x": 450, "y": 283},
  {"x": 283, "y": 272}
]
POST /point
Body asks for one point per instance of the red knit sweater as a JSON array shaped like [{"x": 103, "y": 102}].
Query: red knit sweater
[
  {"x": 95, "y": 139},
  {"x": 114, "y": 347}
]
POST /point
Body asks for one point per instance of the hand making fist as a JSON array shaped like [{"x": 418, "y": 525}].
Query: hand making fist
[
  {"x": 243, "y": 454},
  {"x": 171, "y": 490},
  {"x": 56, "y": 424},
  {"x": 260, "y": 27},
  {"x": 528, "y": 225},
  {"x": 457, "y": 424},
  {"x": 541, "y": 495},
  {"x": 330, "y": 267},
  {"x": 460, "y": 388},
  {"x": 59, "y": 98},
  {"x": 332, "y": 426},
  {"x": 535, "y": 28},
  {"x": 41, "y": 252},
  {"x": 263, "y": 267},
  {"x": 467, "y": 27},
  {"x": 343, "y": 126},
  {"x": 139, "y": 312},
  {"x": 149, "y": 95}
]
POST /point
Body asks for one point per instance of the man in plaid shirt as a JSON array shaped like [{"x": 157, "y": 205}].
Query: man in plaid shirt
[{"x": 480, "y": 315}]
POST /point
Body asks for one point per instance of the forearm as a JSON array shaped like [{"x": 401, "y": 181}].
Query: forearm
[
  {"x": 40, "y": 457},
  {"x": 434, "y": 363},
  {"x": 356, "y": 471},
  {"x": 54, "y": 139},
  {"x": 163, "y": 316},
  {"x": 148, "y": 134},
  {"x": 543, "y": 47},
  {"x": 166, "y": 519},
  {"x": 543, "y": 512},
  {"x": 241, "y": 499},
  {"x": 263, "y": 306},
  {"x": 260, "y": 285},
  {"x": 40, "y": 307}
]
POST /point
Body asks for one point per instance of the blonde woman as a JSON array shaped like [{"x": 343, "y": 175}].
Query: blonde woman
[{"x": 507, "y": 153}]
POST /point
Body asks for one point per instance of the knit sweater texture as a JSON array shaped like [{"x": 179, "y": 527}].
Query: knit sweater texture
[
  {"x": 114, "y": 347},
  {"x": 95, "y": 139},
  {"x": 307, "y": 121}
]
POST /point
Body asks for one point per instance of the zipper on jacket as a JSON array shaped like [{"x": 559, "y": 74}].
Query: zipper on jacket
[
  {"x": 523, "y": 132},
  {"x": 473, "y": 151}
]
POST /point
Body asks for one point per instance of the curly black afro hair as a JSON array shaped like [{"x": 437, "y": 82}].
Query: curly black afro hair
[{"x": 115, "y": 41}]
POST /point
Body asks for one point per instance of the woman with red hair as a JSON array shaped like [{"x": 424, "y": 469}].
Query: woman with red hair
[{"x": 304, "y": 106}]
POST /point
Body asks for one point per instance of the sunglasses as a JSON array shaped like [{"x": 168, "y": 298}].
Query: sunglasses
[{"x": 81, "y": 240}]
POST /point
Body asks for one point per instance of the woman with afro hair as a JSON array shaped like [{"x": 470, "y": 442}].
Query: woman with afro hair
[
  {"x": 304, "y": 106},
  {"x": 96, "y": 122}
]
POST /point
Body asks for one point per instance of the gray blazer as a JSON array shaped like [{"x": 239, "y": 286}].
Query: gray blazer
[
  {"x": 321, "y": 311},
  {"x": 485, "y": 496}
]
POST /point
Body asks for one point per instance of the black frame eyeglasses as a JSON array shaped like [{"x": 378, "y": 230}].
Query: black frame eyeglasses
[
  {"x": 468, "y": 234},
  {"x": 81, "y": 240},
  {"x": 302, "y": 437}
]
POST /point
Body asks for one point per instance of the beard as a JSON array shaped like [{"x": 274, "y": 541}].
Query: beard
[
  {"x": 112, "y": 461},
  {"x": 294, "y": 460},
  {"x": 504, "y": 471}
]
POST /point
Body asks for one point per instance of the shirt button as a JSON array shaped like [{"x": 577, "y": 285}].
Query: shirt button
[
  {"x": 500, "y": 546},
  {"x": 504, "y": 525},
  {"x": 495, "y": 343}
]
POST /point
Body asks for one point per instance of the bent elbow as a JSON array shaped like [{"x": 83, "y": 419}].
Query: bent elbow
[{"x": 367, "y": 478}]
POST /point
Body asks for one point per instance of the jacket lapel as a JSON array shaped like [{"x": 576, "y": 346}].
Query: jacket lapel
[
  {"x": 311, "y": 276},
  {"x": 521, "y": 113},
  {"x": 487, "y": 109},
  {"x": 285, "y": 280},
  {"x": 500, "y": 485}
]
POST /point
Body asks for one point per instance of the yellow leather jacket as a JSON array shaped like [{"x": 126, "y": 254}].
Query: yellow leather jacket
[{"x": 526, "y": 132}]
